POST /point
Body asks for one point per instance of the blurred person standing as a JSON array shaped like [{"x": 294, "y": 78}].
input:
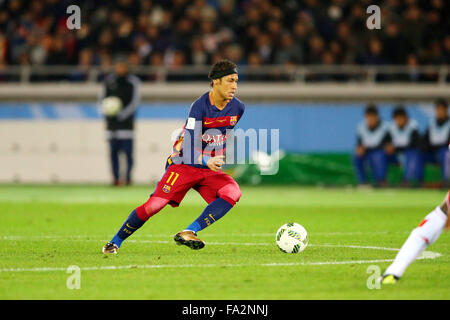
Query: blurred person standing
[
  {"x": 436, "y": 140},
  {"x": 404, "y": 148},
  {"x": 372, "y": 138},
  {"x": 119, "y": 102}
]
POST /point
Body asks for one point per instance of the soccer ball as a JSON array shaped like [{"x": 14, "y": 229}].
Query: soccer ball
[
  {"x": 292, "y": 238},
  {"x": 111, "y": 106}
]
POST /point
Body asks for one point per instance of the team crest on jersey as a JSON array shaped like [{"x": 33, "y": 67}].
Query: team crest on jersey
[
  {"x": 233, "y": 120},
  {"x": 166, "y": 188}
]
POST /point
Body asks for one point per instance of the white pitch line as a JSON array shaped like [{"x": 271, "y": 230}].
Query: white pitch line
[
  {"x": 270, "y": 244},
  {"x": 425, "y": 255},
  {"x": 56, "y": 238},
  {"x": 70, "y": 237},
  {"x": 164, "y": 266},
  {"x": 354, "y": 246}
]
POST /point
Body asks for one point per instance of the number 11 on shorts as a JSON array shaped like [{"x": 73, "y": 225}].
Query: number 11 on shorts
[{"x": 174, "y": 179}]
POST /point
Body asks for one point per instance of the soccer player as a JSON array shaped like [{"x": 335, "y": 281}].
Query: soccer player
[
  {"x": 404, "y": 148},
  {"x": 420, "y": 238},
  {"x": 437, "y": 138},
  {"x": 196, "y": 162},
  {"x": 372, "y": 137}
]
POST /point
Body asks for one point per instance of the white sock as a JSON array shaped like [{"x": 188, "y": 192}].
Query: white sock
[{"x": 425, "y": 234}]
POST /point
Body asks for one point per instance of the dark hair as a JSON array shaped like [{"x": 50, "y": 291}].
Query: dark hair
[
  {"x": 441, "y": 102},
  {"x": 221, "y": 65},
  {"x": 371, "y": 109},
  {"x": 399, "y": 111}
]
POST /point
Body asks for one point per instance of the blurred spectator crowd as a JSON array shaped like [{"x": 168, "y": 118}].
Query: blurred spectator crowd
[{"x": 175, "y": 33}]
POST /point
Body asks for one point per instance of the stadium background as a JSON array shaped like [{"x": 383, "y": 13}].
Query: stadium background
[{"x": 306, "y": 67}]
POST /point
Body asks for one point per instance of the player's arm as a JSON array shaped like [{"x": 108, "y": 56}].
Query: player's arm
[
  {"x": 387, "y": 142},
  {"x": 360, "y": 150},
  {"x": 242, "y": 112},
  {"x": 101, "y": 96},
  {"x": 192, "y": 145},
  {"x": 131, "y": 107}
]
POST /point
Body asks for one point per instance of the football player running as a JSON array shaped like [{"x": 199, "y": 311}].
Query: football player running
[{"x": 196, "y": 162}]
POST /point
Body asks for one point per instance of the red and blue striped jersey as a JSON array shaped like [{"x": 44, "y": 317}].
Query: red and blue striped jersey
[{"x": 206, "y": 131}]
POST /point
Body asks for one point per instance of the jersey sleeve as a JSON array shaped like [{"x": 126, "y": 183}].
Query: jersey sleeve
[
  {"x": 358, "y": 136},
  {"x": 242, "y": 109},
  {"x": 192, "y": 144},
  {"x": 132, "y": 105}
]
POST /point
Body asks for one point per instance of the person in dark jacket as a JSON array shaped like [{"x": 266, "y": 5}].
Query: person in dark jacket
[
  {"x": 404, "y": 148},
  {"x": 436, "y": 140},
  {"x": 119, "y": 102},
  {"x": 372, "y": 138}
]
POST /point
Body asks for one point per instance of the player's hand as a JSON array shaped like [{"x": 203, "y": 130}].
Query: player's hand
[
  {"x": 390, "y": 149},
  {"x": 447, "y": 225},
  {"x": 360, "y": 151},
  {"x": 216, "y": 163}
]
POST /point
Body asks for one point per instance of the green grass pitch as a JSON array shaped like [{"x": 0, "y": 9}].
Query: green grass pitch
[{"x": 45, "y": 229}]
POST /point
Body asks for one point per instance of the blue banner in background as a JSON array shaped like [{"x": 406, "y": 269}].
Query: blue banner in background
[{"x": 304, "y": 127}]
